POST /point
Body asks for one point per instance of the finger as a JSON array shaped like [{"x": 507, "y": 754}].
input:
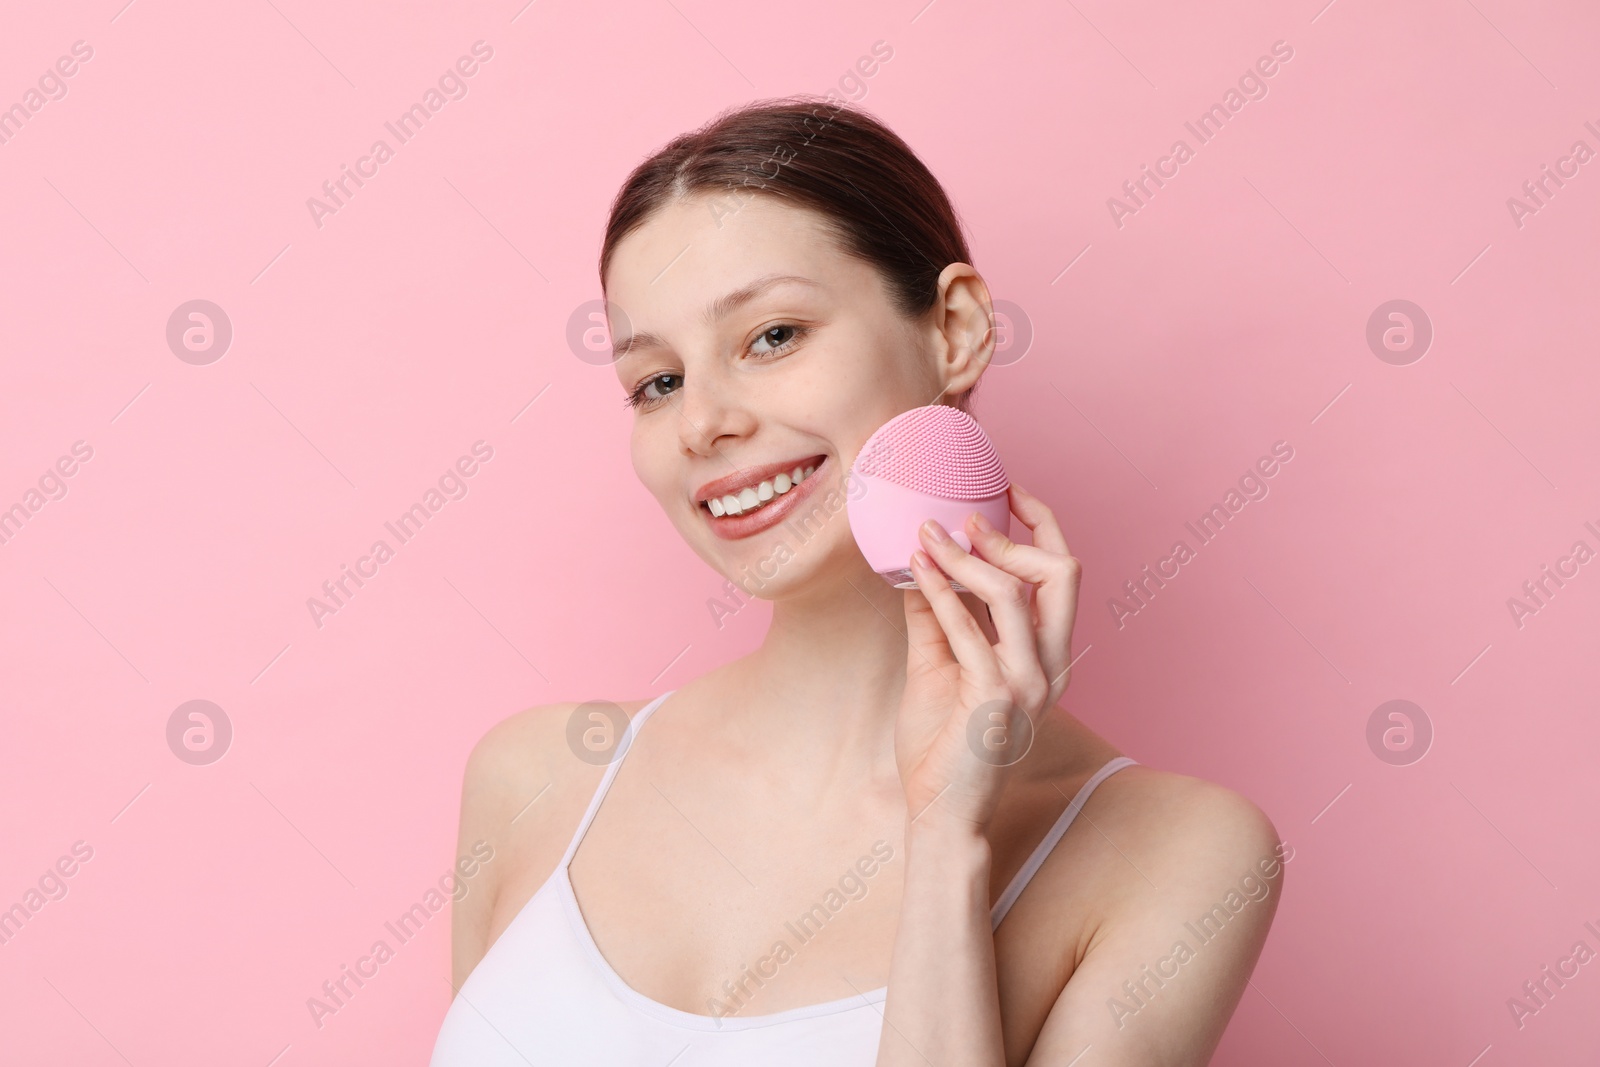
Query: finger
[
  {"x": 1030, "y": 563},
  {"x": 972, "y": 650},
  {"x": 1055, "y": 575},
  {"x": 1005, "y": 595},
  {"x": 1007, "y": 599},
  {"x": 926, "y": 646},
  {"x": 1038, "y": 518}
]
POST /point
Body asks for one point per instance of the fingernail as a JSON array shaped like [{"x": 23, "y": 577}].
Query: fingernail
[
  {"x": 922, "y": 559},
  {"x": 982, "y": 523},
  {"x": 935, "y": 532}
]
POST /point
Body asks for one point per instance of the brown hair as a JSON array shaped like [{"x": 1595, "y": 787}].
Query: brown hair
[{"x": 878, "y": 199}]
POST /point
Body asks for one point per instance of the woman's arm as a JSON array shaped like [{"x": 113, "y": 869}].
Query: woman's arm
[
  {"x": 1163, "y": 971},
  {"x": 1168, "y": 962},
  {"x": 944, "y": 1004},
  {"x": 482, "y": 818},
  {"x": 967, "y": 712},
  {"x": 516, "y": 761},
  {"x": 965, "y": 718}
]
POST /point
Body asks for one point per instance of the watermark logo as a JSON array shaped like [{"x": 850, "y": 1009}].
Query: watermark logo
[
  {"x": 452, "y": 485},
  {"x": 1012, "y": 330},
  {"x": 1537, "y": 592},
  {"x": 453, "y": 885},
  {"x": 199, "y": 332},
  {"x": 1399, "y": 332},
  {"x": 853, "y": 885},
  {"x": 1540, "y": 190},
  {"x": 1399, "y": 732},
  {"x": 999, "y": 733},
  {"x": 51, "y": 486},
  {"x": 1537, "y": 992},
  {"x": 452, "y": 85},
  {"x": 589, "y": 331},
  {"x": 50, "y": 886},
  {"x": 851, "y": 88},
  {"x": 199, "y": 732},
  {"x": 1140, "y": 592},
  {"x": 1252, "y": 86},
  {"x": 801, "y": 527},
  {"x": 50, "y": 86},
  {"x": 1253, "y": 887},
  {"x": 598, "y": 732}
]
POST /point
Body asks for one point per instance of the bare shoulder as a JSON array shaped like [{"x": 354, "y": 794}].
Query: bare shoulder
[
  {"x": 541, "y": 747},
  {"x": 1182, "y": 823},
  {"x": 1180, "y": 845},
  {"x": 1185, "y": 899},
  {"x": 514, "y": 753},
  {"x": 523, "y": 790},
  {"x": 1144, "y": 820}
]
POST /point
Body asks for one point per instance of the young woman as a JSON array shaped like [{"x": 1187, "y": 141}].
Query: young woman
[{"x": 804, "y": 856}]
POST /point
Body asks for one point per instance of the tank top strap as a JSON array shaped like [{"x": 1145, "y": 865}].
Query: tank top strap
[
  {"x": 629, "y": 733},
  {"x": 1042, "y": 852}
]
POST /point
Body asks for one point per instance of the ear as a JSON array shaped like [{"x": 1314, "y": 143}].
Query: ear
[{"x": 963, "y": 325}]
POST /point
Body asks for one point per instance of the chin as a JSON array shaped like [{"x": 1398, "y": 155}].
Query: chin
[{"x": 775, "y": 567}]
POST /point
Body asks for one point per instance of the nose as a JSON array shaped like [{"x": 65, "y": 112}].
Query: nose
[{"x": 710, "y": 415}]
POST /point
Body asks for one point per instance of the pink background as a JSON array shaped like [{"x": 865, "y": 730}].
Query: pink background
[{"x": 368, "y": 354}]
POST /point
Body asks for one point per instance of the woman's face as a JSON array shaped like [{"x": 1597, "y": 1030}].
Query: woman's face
[{"x": 754, "y": 345}]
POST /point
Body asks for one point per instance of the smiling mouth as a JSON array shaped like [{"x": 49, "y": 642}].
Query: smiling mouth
[{"x": 755, "y": 497}]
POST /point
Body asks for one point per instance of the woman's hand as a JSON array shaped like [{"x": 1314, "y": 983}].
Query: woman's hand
[{"x": 970, "y": 707}]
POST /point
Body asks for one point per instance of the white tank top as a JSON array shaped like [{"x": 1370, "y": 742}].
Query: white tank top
[{"x": 543, "y": 993}]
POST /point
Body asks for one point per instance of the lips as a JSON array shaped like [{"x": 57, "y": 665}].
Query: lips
[
  {"x": 734, "y": 527},
  {"x": 749, "y": 477}
]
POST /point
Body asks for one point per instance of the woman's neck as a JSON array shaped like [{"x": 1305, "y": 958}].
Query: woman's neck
[{"x": 824, "y": 688}]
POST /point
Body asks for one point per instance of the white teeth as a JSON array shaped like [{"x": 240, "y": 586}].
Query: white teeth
[{"x": 751, "y": 497}]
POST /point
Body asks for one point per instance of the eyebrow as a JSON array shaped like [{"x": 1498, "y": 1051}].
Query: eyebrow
[{"x": 718, "y": 308}]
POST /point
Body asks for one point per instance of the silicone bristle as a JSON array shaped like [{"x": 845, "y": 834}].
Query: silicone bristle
[{"x": 938, "y": 450}]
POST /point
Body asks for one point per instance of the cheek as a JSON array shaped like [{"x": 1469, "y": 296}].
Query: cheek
[
  {"x": 639, "y": 453},
  {"x": 651, "y": 454}
]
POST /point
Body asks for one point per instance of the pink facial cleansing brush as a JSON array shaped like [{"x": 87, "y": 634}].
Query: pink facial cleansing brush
[{"x": 931, "y": 462}]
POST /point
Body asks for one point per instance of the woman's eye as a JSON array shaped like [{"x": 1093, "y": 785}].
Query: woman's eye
[
  {"x": 660, "y": 381},
  {"x": 770, "y": 341},
  {"x": 775, "y": 338},
  {"x": 644, "y": 395}
]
